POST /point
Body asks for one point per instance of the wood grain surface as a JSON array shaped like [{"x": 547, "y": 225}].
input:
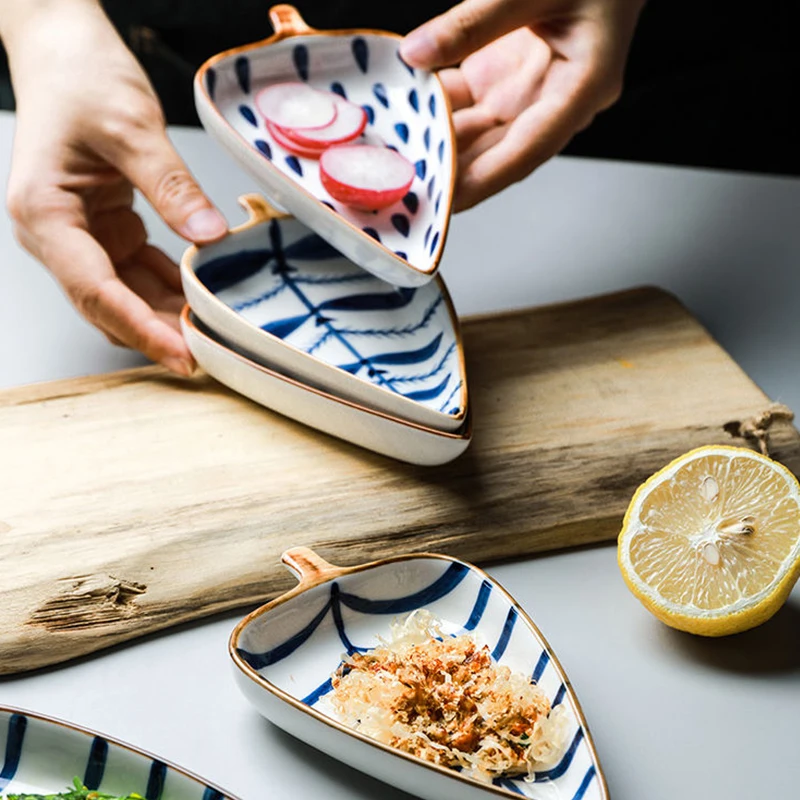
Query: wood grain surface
[{"x": 134, "y": 501}]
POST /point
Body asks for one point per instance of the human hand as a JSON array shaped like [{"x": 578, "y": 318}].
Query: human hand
[
  {"x": 89, "y": 129},
  {"x": 530, "y": 74}
]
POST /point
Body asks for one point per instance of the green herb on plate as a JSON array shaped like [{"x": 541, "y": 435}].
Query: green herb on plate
[{"x": 77, "y": 792}]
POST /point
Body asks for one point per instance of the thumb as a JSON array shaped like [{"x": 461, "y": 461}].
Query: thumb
[
  {"x": 465, "y": 28},
  {"x": 158, "y": 172}
]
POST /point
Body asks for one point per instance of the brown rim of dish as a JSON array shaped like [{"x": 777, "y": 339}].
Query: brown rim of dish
[
  {"x": 259, "y": 211},
  {"x": 312, "y": 571},
  {"x": 287, "y": 22},
  {"x": 462, "y": 433},
  {"x": 117, "y": 743}
]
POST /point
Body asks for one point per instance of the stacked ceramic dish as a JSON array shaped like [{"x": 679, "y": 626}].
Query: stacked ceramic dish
[{"x": 334, "y": 316}]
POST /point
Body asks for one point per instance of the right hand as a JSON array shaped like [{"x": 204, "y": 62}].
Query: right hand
[{"x": 89, "y": 129}]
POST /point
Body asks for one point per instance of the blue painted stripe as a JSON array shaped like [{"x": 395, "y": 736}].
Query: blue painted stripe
[
  {"x": 505, "y": 635},
  {"x": 212, "y": 794},
  {"x": 96, "y": 765},
  {"x": 442, "y": 586},
  {"x": 155, "y": 781},
  {"x": 242, "y": 68},
  {"x": 541, "y": 664},
  {"x": 481, "y": 602},
  {"x": 336, "y": 608},
  {"x": 426, "y": 394},
  {"x": 261, "y": 660},
  {"x": 562, "y": 690},
  {"x": 507, "y": 783},
  {"x": 449, "y": 397},
  {"x": 17, "y": 723},
  {"x": 587, "y": 779},
  {"x": 563, "y": 765},
  {"x": 321, "y": 690}
]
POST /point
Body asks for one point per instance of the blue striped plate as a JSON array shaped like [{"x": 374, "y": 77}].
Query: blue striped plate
[
  {"x": 407, "y": 109},
  {"x": 43, "y": 755},
  {"x": 287, "y": 650}
]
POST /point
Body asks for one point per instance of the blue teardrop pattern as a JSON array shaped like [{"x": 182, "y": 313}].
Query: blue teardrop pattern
[
  {"x": 248, "y": 114},
  {"x": 401, "y": 254},
  {"x": 370, "y": 112},
  {"x": 330, "y": 206},
  {"x": 300, "y": 58},
  {"x": 407, "y": 66},
  {"x": 373, "y": 233},
  {"x": 337, "y": 88},
  {"x": 427, "y": 235},
  {"x": 379, "y": 90},
  {"x": 440, "y": 151},
  {"x": 401, "y": 224},
  {"x": 413, "y": 100},
  {"x": 211, "y": 82},
  {"x": 431, "y": 184},
  {"x": 421, "y": 168},
  {"x": 432, "y": 105},
  {"x": 360, "y": 53},
  {"x": 434, "y": 241},
  {"x": 242, "y": 68},
  {"x": 411, "y": 202},
  {"x": 264, "y": 148},
  {"x": 391, "y": 147},
  {"x": 294, "y": 165},
  {"x": 401, "y": 129},
  {"x": 438, "y": 201},
  {"x": 426, "y": 139}
]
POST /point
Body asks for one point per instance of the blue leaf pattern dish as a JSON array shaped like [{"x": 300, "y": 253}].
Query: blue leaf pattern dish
[
  {"x": 406, "y": 110},
  {"x": 286, "y": 652},
  {"x": 291, "y": 302},
  {"x": 382, "y": 433},
  {"x": 41, "y": 755}
]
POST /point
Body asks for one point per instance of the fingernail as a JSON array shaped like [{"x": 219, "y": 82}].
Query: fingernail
[
  {"x": 419, "y": 49},
  {"x": 205, "y": 225},
  {"x": 179, "y": 365}
]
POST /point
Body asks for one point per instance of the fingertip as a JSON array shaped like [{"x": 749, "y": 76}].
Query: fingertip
[
  {"x": 204, "y": 225},
  {"x": 185, "y": 367},
  {"x": 420, "y": 49}
]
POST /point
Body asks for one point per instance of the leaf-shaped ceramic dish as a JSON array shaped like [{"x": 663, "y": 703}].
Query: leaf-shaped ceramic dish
[
  {"x": 359, "y": 425},
  {"x": 286, "y": 651},
  {"x": 43, "y": 755},
  {"x": 289, "y": 300},
  {"x": 406, "y": 108}
]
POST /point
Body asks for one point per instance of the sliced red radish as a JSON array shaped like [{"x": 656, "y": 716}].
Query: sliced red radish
[
  {"x": 348, "y": 124},
  {"x": 296, "y": 105},
  {"x": 293, "y": 147},
  {"x": 366, "y": 177}
]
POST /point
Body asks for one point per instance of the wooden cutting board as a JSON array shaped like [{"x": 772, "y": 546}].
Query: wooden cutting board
[{"x": 134, "y": 501}]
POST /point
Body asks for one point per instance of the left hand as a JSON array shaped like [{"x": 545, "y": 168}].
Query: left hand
[{"x": 530, "y": 75}]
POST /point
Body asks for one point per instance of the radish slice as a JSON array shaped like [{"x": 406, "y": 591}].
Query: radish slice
[
  {"x": 296, "y": 105},
  {"x": 366, "y": 177},
  {"x": 348, "y": 124},
  {"x": 288, "y": 144}
]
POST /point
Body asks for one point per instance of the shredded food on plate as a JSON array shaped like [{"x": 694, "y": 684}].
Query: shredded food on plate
[{"x": 442, "y": 698}]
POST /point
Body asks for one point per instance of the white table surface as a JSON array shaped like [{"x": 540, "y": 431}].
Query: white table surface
[{"x": 672, "y": 716}]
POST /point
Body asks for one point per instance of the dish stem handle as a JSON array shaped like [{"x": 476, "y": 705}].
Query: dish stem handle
[
  {"x": 286, "y": 21},
  {"x": 310, "y": 568}
]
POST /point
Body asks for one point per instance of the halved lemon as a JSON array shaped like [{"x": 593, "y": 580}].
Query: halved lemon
[{"x": 711, "y": 543}]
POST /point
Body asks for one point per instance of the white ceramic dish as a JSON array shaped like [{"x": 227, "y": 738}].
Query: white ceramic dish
[
  {"x": 407, "y": 109},
  {"x": 338, "y": 417},
  {"x": 43, "y": 755},
  {"x": 285, "y": 652},
  {"x": 279, "y": 292}
]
